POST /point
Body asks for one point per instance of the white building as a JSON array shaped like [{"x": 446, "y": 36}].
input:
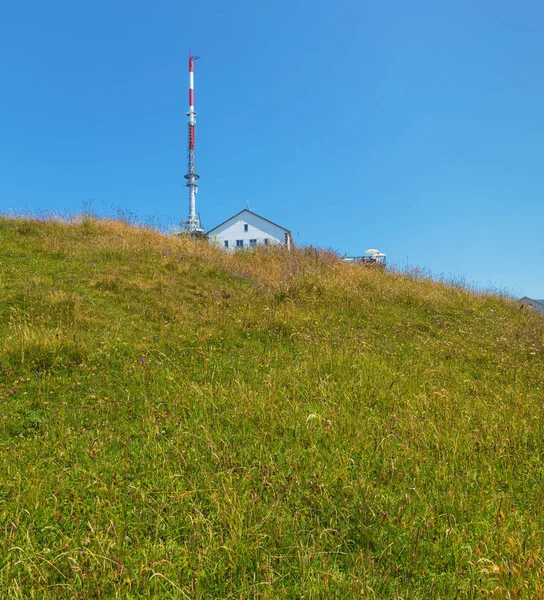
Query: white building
[
  {"x": 538, "y": 305},
  {"x": 247, "y": 229}
]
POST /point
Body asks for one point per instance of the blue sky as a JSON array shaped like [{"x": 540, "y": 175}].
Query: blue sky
[{"x": 413, "y": 127}]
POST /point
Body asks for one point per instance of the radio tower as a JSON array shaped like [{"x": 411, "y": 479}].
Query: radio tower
[{"x": 192, "y": 225}]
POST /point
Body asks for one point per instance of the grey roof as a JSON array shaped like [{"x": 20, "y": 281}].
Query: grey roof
[
  {"x": 251, "y": 213},
  {"x": 536, "y": 304}
]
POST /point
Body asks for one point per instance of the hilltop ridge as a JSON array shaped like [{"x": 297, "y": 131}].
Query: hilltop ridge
[{"x": 183, "y": 422}]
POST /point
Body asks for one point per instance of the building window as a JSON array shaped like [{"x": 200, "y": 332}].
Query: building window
[
  {"x": 252, "y": 242},
  {"x": 239, "y": 243},
  {"x": 226, "y": 243},
  {"x": 246, "y": 227}
]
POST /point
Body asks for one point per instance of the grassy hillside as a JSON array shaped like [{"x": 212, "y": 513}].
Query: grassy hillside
[{"x": 177, "y": 422}]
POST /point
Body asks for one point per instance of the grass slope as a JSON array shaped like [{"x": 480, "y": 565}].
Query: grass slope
[{"x": 178, "y": 422}]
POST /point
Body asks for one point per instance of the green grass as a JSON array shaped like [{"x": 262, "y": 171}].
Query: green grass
[{"x": 178, "y": 422}]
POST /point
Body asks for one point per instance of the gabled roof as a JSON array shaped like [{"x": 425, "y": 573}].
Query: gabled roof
[
  {"x": 246, "y": 210},
  {"x": 536, "y": 304}
]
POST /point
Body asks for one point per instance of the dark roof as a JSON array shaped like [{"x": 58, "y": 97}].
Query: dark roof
[
  {"x": 251, "y": 213},
  {"x": 536, "y": 304}
]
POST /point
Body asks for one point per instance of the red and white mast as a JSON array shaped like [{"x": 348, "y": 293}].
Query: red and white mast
[{"x": 193, "y": 222}]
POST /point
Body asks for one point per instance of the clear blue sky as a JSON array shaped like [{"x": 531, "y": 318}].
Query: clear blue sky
[{"x": 413, "y": 127}]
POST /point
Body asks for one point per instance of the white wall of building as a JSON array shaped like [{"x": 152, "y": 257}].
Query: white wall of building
[{"x": 246, "y": 230}]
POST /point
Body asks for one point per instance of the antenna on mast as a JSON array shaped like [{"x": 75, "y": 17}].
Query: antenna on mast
[{"x": 192, "y": 225}]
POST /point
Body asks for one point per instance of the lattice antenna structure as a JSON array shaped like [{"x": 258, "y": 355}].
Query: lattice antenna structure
[{"x": 192, "y": 225}]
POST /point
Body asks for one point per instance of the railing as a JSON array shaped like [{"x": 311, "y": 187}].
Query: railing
[{"x": 365, "y": 260}]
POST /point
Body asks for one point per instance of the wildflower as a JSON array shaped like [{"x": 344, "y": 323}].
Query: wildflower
[{"x": 143, "y": 360}]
